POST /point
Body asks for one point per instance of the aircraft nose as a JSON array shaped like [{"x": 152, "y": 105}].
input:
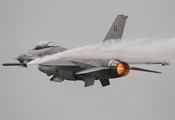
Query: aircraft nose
[
  {"x": 20, "y": 58},
  {"x": 25, "y": 57}
]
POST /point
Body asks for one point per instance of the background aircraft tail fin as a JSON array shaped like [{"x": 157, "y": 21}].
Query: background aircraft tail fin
[{"x": 116, "y": 30}]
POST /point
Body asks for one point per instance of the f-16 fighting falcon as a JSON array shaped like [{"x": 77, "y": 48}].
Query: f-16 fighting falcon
[{"x": 83, "y": 69}]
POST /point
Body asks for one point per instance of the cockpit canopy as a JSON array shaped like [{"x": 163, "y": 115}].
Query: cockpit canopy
[{"x": 44, "y": 44}]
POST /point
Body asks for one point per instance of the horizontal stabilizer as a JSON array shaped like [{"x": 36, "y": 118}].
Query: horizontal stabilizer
[{"x": 144, "y": 70}]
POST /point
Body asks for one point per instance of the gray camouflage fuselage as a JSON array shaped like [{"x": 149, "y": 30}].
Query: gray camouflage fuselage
[
  {"x": 33, "y": 54},
  {"x": 87, "y": 70}
]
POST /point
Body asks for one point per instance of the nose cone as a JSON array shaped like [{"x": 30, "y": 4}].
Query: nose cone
[
  {"x": 20, "y": 58},
  {"x": 26, "y": 57}
]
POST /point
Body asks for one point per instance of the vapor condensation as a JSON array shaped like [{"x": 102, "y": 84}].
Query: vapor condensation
[{"x": 142, "y": 49}]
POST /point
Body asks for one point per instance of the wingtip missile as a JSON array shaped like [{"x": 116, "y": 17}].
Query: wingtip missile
[
  {"x": 15, "y": 64},
  {"x": 166, "y": 62}
]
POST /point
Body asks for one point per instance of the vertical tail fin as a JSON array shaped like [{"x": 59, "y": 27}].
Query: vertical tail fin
[{"x": 116, "y": 30}]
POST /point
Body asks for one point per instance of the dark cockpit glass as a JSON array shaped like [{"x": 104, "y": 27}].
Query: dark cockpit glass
[{"x": 44, "y": 44}]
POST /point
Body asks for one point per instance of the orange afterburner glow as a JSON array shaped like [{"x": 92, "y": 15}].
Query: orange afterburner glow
[{"x": 123, "y": 69}]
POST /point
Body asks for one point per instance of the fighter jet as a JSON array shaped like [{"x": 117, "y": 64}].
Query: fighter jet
[{"x": 87, "y": 70}]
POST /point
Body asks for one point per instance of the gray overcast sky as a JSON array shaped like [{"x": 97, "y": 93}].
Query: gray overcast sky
[{"x": 28, "y": 94}]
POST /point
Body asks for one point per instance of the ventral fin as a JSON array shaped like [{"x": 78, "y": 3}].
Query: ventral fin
[{"x": 89, "y": 81}]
